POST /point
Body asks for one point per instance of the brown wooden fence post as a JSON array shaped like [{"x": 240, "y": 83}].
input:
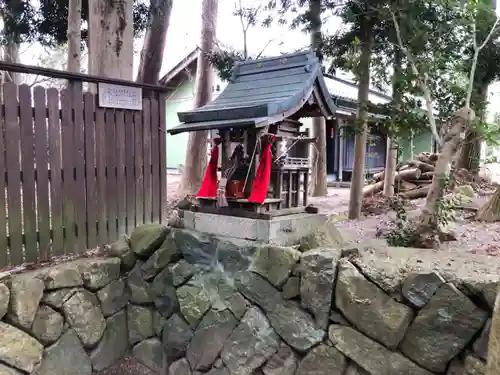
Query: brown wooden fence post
[
  {"x": 163, "y": 158},
  {"x": 4, "y": 251},
  {"x": 13, "y": 164},
  {"x": 79, "y": 184}
]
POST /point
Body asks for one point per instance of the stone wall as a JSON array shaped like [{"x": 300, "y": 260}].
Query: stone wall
[{"x": 181, "y": 302}]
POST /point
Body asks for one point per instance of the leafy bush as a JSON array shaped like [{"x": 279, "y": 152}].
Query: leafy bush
[{"x": 404, "y": 232}]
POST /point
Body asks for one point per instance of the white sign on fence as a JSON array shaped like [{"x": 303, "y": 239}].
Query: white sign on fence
[{"x": 115, "y": 96}]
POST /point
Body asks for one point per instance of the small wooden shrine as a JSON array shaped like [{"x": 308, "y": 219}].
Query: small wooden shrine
[{"x": 259, "y": 163}]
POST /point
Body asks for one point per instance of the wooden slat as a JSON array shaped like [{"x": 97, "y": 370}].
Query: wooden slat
[
  {"x": 148, "y": 194},
  {"x": 120, "y": 169},
  {"x": 56, "y": 188},
  {"x": 4, "y": 250},
  {"x": 305, "y": 187},
  {"x": 278, "y": 192},
  {"x": 67, "y": 136},
  {"x": 79, "y": 159},
  {"x": 90, "y": 166},
  {"x": 28, "y": 168},
  {"x": 129, "y": 169},
  {"x": 13, "y": 163},
  {"x": 163, "y": 159},
  {"x": 100, "y": 150},
  {"x": 155, "y": 161},
  {"x": 42, "y": 173},
  {"x": 77, "y": 175},
  {"x": 139, "y": 173},
  {"x": 290, "y": 189},
  {"x": 297, "y": 195},
  {"x": 111, "y": 174}
]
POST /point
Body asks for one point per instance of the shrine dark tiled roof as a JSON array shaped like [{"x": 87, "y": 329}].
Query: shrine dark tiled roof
[{"x": 260, "y": 92}]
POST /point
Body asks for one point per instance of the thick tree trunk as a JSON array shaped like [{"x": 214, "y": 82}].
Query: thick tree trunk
[
  {"x": 12, "y": 41},
  {"x": 390, "y": 167},
  {"x": 357, "y": 182},
  {"x": 392, "y": 145},
  {"x": 111, "y": 39},
  {"x": 428, "y": 225},
  {"x": 11, "y": 55},
  {"x": 196, "y": 155},
  {"x": 154, "y": 41},
  {"x": 319, "y": 178},
  {"x": 74, "y": 36},
  {"x": 490, "y": 212},
  {"x": 470, "y": 152}
]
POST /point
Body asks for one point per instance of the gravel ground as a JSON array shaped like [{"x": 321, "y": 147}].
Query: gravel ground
[
  {"x": 126, "y": 366},
  {"x": 472, "y": 237}
]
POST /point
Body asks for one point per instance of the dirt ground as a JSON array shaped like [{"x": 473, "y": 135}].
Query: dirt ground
[{"x": 472, "y": 237}]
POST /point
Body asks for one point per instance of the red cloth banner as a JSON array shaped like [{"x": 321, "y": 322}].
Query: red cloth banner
[
  {"x": 263, "y": 175},
  {"x": 208, "y": 188}
]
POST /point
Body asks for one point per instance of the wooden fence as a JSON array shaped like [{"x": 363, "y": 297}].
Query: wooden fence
[{"x": 76, "y": 175}]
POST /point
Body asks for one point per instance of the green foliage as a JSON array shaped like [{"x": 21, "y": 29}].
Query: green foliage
[
  {"x": 19, "y": 19},
  {"x": 489, "y": 132},
  {"x": 402, "y": 230},
  {"x": 446, "y": 209},
  {"x": 437, "y": 34},
  {"x": 47, "y": 22},
  {"x": 439, "y": 37},
  {"x": 296, "y": 13},
  {"x": 223, "y": 61}
]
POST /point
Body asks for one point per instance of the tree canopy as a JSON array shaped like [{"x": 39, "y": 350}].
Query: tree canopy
[{"x": 47, "y": 22}]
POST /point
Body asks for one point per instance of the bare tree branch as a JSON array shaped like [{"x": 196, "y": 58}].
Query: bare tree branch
[
  {"x": 477, "y": 50},
  {"x": 422, "y": 81},
  {"x": 264, "y": 48}
]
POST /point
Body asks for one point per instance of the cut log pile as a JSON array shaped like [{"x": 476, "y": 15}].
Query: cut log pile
[{"x": 412, "y": 179}]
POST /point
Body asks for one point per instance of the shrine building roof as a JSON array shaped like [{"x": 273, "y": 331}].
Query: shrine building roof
[{"x": 262, "y": 92}]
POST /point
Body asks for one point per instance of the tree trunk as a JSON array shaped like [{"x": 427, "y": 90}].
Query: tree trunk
[
  {"x": 357, "y": 181},
  {"x": 490, "y": 212},
  {"x": 392, "y": 145},
  {"x": 111, "y": 39},
  {"x": 1, "y": 77},
  {"x": 390, "y": 167},
  {"x": 319, "y": 178},
  {"x": 196, "y": 155},
  {"x": 12, "y": 40},
  {"x": 428, "y": 225},
  {"x": 154, "y": 42},
  {"x": 74, "y": 36},
  {"x": 470, "y": 152},
  {"x": 11, "y": 55}
]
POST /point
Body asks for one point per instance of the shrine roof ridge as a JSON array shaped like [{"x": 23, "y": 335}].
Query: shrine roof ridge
[{"x": 262, "y": 92}]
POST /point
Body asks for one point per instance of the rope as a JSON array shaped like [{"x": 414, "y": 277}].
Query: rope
[
  {"x": 251, "y": 163},
  {"x": 288, "y": 149}
]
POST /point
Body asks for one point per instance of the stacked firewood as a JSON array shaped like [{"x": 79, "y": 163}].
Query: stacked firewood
[{"x": 412, "y": 179}]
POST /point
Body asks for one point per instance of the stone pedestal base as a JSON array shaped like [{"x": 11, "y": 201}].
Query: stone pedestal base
[{"x": 281, "y": 230}]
